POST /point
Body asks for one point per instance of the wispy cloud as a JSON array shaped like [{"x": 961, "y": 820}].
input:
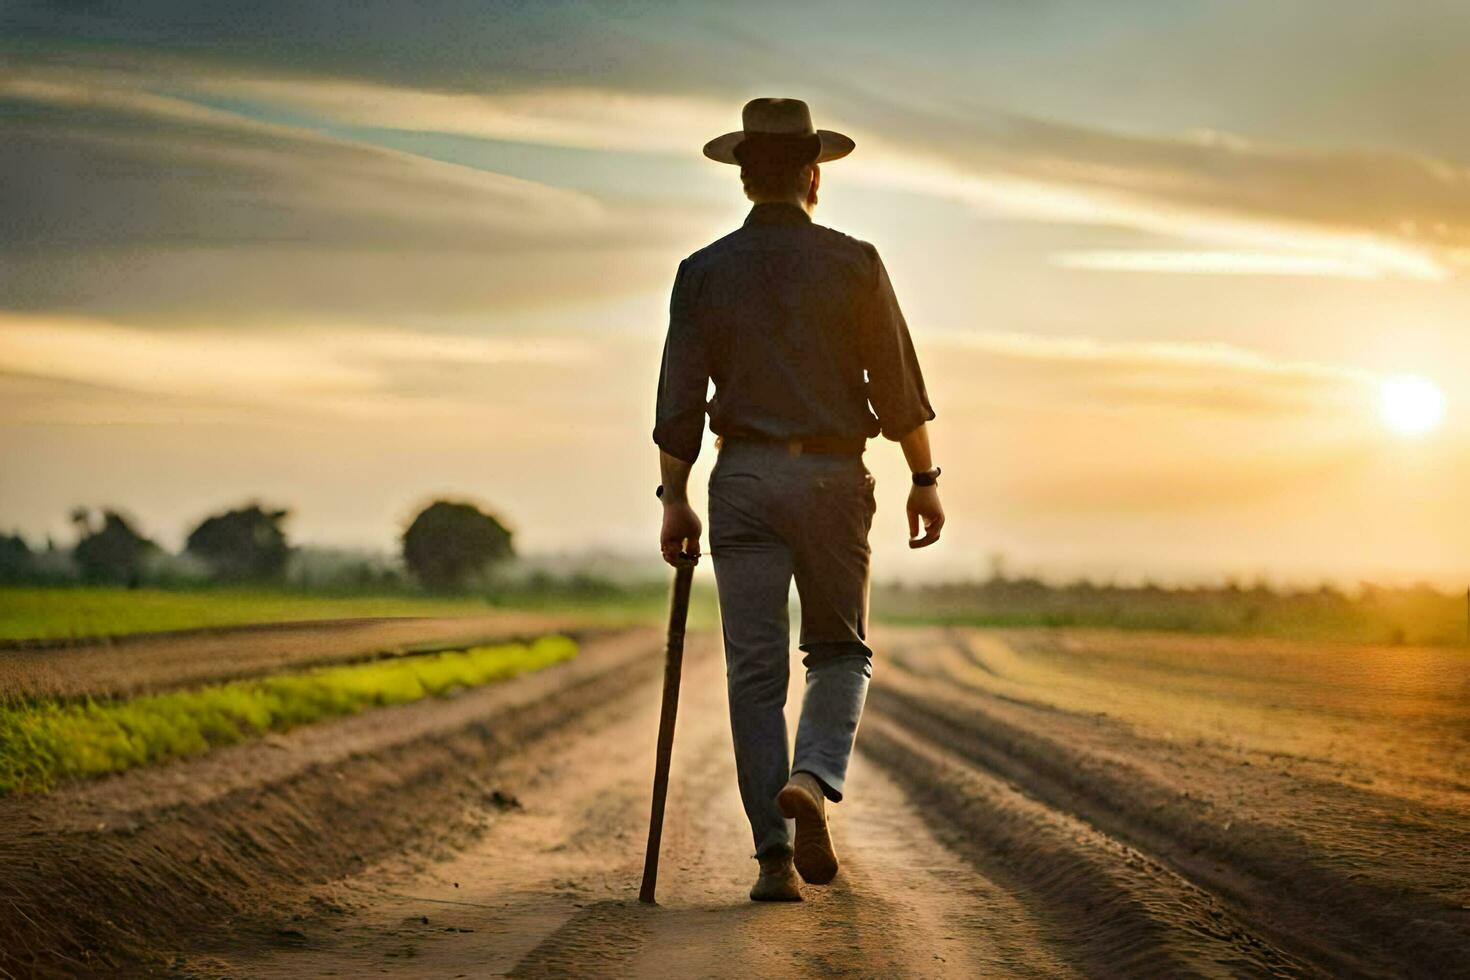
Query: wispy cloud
[
  {"x": 1386, "y": 213},
  {"x": 1374, "y": 213},
  {"x": 1092, "y": 350},
  {"x": 1219, "y": 263},
  {"x": 120, "y": 199},
  {"x": 356, "y": 372},
  {"x": 1036, "y": 370},
  {"x": 582, "y": 118},
  {"x": 149, "y": 168},
  {"x": 1256, "y": 209}
]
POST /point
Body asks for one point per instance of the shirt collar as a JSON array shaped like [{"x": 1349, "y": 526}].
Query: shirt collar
[{"x": 777, "y": 213}]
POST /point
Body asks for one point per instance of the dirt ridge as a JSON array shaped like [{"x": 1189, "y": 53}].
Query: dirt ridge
[
  {"x": 1119, "y": 911},
  {"x": 153, "y": 662},
  {"x": 1271, "y": 881},
  {"x": 118, "y": 894}
]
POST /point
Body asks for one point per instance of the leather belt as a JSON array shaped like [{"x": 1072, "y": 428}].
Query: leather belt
[{"x": 833, "y": 445}]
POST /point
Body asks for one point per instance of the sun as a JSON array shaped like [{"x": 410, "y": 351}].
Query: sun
[{"x": 1410, "y": 405}]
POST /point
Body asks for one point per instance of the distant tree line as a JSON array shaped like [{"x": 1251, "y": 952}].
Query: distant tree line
[
  {"x": 1370, "y": 613},
  {"x": 448, "y": 546}
]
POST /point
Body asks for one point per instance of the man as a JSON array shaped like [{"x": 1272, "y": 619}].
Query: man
[{"x": 798, "y": 327}]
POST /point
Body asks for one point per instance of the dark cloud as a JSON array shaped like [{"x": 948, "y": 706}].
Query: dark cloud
[
  {"x": 1385, "y": 212},
  {"x": 1322, "y": 72},
  {"x": 84, "y": 167},
  {"x": 267, "y": 285},
  {"x": 464, "y": 44},
  {"x": 122, "y": 196},
  {"x": 1372, "y": 203},
  {"x": 119, "y": 201}
]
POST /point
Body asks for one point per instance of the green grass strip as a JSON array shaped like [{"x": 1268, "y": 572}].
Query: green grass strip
[
  {"x": 82, "y": 612},
  {"x": 43, "y": 742},
  {"x": 28, "y": 612}
]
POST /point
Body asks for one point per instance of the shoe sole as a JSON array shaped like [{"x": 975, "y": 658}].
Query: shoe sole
[
  {"x": 776, "y": 896},
  {"x": 815, "y": 860}
]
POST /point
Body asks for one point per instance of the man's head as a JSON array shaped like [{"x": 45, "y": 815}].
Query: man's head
[
  {"x": 780, "y": 169},
  {"x": 778, "y": 151}
]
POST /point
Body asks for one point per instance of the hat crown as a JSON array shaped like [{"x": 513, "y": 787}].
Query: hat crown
[
  {"x": 778, "y": 121},
  {"x": 789, "y": 117}
]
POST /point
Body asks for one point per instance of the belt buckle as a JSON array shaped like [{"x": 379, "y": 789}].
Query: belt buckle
[{"x": 793, "y": 447}]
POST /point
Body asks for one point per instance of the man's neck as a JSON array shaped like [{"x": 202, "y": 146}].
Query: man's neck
[{"x": 795, "y": 202}]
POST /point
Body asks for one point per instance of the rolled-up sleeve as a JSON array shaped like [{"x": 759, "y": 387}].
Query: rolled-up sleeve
[
  {"x": 895, "y": 383},
  {"x": 683, "y": 378}
]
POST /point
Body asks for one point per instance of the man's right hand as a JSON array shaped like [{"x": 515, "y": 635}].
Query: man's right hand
[
  {"x": 680, "y": 525},
  {"x": 924, "y": 506}
]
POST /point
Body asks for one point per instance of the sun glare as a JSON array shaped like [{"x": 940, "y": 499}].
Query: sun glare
[{"x": 1410, "y": 405}]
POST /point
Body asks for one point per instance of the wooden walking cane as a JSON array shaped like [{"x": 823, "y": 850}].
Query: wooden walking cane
[{"x": 673, "y": 666}]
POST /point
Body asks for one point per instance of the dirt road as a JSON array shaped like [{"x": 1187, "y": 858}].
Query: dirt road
[
  {"x": 982, "y": 836},
  {"x": 550, "y": 889},
  {"x": 1031, "y": 803}
]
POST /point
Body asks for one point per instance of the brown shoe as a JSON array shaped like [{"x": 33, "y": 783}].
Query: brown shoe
[
  {"x": 777, "y": 882},
  {"x": 802, "y": 800}
]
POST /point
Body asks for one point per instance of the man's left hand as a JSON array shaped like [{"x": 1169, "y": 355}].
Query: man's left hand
[{"x": 924, "y": 506}]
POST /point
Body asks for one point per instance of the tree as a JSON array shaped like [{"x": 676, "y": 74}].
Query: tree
[
  {"x": 244, "y": 545},
  {"x": 114, "y": 553},
  {"x": 15, "y": 558},
  {"x": 450, "y": 543}
]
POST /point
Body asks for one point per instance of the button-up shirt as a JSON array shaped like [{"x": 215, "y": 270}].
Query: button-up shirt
[{"x": 799, "y": 328}]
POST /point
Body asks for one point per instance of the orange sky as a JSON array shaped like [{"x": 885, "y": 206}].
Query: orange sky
[{"x": 1156, "y": 307}]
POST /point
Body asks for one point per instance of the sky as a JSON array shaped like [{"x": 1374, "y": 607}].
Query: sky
[{"x": 1167, "y": 263}]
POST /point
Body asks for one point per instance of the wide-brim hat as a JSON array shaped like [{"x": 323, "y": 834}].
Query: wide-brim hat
[{"x": 780, "y": 120}]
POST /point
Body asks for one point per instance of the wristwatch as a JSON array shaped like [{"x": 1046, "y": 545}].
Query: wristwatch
[{"x": 926, "y": 478}]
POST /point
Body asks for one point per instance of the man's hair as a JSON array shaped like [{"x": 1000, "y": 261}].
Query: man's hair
[{"x": 773, "y": 166}]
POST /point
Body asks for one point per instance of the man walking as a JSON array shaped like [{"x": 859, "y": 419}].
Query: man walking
[{"x": 798, "y": 327}]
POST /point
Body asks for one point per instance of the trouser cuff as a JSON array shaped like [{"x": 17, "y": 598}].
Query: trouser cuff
[
  {"x": 831, "y": 784},
  {"x": 773, "y": 847}
]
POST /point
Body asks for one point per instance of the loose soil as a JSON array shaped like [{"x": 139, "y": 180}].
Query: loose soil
[{"x": 1047, "y": 803}]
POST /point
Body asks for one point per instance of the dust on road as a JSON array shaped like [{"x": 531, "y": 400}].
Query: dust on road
[{"x": 550, "y": 889}]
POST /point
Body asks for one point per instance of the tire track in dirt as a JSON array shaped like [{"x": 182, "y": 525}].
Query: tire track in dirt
[
  {"x": 1112, "y": 909},
  {"x": 1275, "y": 893}
]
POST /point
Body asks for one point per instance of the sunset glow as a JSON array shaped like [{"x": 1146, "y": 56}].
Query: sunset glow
[
  {"x": 1411, "y": 405},
  {"x": 1155, "y": 311}
]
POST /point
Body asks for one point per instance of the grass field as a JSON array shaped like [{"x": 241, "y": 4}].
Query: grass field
[
  {"x": 75, "y": 613},
  {"x": 1376, "y": 616},
  {"x": 46, "y": 741}
]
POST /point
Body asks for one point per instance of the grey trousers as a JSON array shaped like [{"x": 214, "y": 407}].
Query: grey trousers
[{"x": 774, "y": 516}]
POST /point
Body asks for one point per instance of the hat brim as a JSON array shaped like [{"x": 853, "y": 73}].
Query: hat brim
[{"x": 721, "y": 149}]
